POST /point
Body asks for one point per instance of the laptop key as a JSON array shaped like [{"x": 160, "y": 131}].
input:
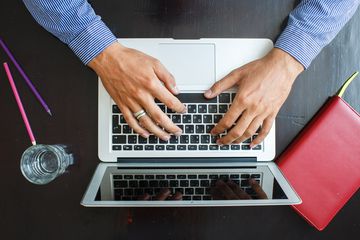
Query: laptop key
[
  {"x": 197, "y": 119},
  {"x": 149, "y": 147},
  {"x": 120, "y": 184},
  {"x": 235, "y": 146},
  {"x": 255, "y": 175},
  {"x": 204, "y": 183},
  {"x": 128, "y": 192},
  {"x": 122, "y": 119},
  {"x": 162, "y": 107},
  {"x": 174, "y": 139},
  {"x": 180, "y": 190},
  {"x": 133, "y": 184},
  {"x": 119, "y": 139},
  {"x": 117, "y": 176},
  {"x": 180, "y": 126},
  {"x": 143, "y": 184},
  {"x": 203, "y": 176},
  {"x": 162, "y": 141},
  {"x": 191, "y": 176},
  {"x": 196, "y": 198},
  {"x": 189, "y": 191},
  {"x": 223, "y": 108},
  {"x": 181, "y": 176},
  {"x": 116, "y": 129},
  {"x": 244, "y": 183},
  {"x": 149, "y": 176},
  {"x": 170, "y": 147},
  {"x": 257, "y": 147},
  {"x": 217, "y": 118},
  {"x": 128, "y": 177},
  {"x": 186, "y": 198},
  {"x": 127, "y": 147},
  {"x": 138, "y": 192},
  {"x": 207, "y": 191},
  {"x": 115, "y": 109},
  {"x": 186, "y": 119},
  {"x": 174, "y": 183},
  {"x": 176, "y": 118},
  {"x": 234, "y": 176},
  {"x": 208, "y": 128},
  {"x": 213, "y": 176},
  {"x": 194, "y": 139},
  {"x": 184, "y": 183},
  {"x": 181, "y": 147},
  {"x": 160, "y": 176},
  {"x": 206, "y": 197},
  {"x": 224, "y": 98},
  {"x": 160, "y": 147},
  {"x": 127, "y": 129},
  {"x": 153, "y": 139},
  {"x": 199, "y": 191},
  {"x": 116, "y": 147},
  {"x": 163, "y": 183},
  {"x": 170, "y": 176},
  {"x": 245, "y": 147},
  {"x": 149, "y": 191},
  {"x": 202, "y": 108},
  {"x": 233, "y": 96},
  {"x": 199, "y": 128},
  {"x": 189, "y": 128},
  {"x": 212, "y": 108},
  {"x": 192, "y": 147},
  {"x": 191, "y": 108},
  {"x": 247, "y": 140},
  {"x": 207, "y": 119},
  {"x": 224, "y": 147},
  {"x": 213, "y": 139},
  {"x": 115, "y": 120},
  {"x": 142, "y": 140},
  {"x": 184, "y": 139},
  {"x": 203, "y": 147},
  {"x": 153, "y": 183},
  {"x": 245, "y": 176},
  {"x": 194, "y": 183},
  {"x": 138, "y": 147}
]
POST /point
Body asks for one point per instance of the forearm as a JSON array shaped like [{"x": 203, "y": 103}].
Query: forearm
[
  {"x": 75, "y": 23},
  {"x": 312, "y": 25}
]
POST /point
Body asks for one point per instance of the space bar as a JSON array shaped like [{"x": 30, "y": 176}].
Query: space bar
[{"x": 194, "y": 98}]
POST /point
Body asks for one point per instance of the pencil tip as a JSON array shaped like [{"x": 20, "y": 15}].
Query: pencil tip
[{"x": 49, "y": 112}]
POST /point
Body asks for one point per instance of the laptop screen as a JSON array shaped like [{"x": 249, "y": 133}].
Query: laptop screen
[{"x": 179, "y": 184}]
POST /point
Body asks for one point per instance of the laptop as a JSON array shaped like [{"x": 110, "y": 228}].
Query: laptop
[{"x": 135, "y": 170}]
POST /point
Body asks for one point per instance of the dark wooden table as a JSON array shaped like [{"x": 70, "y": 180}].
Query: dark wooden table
[{"x": 53, "y": 211}]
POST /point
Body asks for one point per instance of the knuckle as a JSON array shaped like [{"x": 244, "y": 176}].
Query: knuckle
[
  {"x": 248, "y": 133},
  {"x": 235, "y": 134}
]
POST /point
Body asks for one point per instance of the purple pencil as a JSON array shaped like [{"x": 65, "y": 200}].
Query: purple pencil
[{"x": 26, "y": 78}]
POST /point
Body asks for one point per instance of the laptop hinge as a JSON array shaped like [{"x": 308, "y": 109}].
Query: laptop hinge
[{"x": 204, "y": 160}]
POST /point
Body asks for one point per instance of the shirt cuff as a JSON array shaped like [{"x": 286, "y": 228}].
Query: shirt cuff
[
  {"x": 92, "y": 41},
  {"x": 299, "y": 45}
]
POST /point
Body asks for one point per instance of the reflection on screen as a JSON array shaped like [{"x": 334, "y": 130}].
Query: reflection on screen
[{"x": 241, "y": 183}]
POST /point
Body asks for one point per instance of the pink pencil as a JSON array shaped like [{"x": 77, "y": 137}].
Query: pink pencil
[{"x": 19, "y": 103}]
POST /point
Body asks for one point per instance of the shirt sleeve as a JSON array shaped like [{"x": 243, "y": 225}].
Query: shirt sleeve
[
  {"x": 312, "y": 25},
  {"x": 75, "y": 23}
]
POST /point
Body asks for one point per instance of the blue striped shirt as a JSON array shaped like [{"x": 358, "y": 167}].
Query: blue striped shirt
[{"x": 311, "y": 26}]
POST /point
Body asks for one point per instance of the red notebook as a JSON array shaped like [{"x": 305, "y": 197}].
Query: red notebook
[{"x": 323, "y": 162}]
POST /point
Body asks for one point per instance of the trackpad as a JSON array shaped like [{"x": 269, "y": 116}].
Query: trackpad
[{"x": 193, "y": 65}]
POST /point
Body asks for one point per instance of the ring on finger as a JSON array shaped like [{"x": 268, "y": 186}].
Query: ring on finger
[
  {"x": 142, "y": 111},
  {"x": 140, "y": 115}
]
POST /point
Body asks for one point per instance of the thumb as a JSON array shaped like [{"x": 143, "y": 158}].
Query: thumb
[{"x": 221, "y": 85}]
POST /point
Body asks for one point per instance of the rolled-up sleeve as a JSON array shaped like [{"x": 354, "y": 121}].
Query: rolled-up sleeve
[
  {"x": 75, "y": 23},
  {"x": 312, "y": 25}
]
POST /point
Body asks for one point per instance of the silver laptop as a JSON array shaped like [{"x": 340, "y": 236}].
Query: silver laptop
[{"x": 135, "y": 170}]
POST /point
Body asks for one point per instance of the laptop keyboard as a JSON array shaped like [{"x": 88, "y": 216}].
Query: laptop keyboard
[
  {"x": 191, "y": 186},
  {"x": 202, "y": 115}
]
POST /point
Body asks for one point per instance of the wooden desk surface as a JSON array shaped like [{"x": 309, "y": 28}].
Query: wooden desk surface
[{"x": 53, "y": 211}]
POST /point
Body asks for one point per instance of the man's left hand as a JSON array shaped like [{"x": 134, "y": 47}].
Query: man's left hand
[{"x": 263, "y": 86}]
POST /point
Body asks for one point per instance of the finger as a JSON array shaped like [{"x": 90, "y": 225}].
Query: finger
[
  {"x": 228, "y": 120},
  {"x": 217, "y": 194},
  {"x": 169, "y": 100},
  {"x": 238, "y": 191},
  {"x": 166, "y": 77},
  {"x": 131, "y": 120},
  {"x": 256, "y": 187},
  {"x": 163, "y": 195},
  {"x": 226, "y": 190},
  {"x": 144, "y": 197},
  {"x": 237, "y": 131},
  {"x": 251, "y": 130},
  {"x": 146, "y": 122},
  {"x": 177, "y": 196},
  {"x": 161, "y": 118},
  {"x": 222, "y": 85},
  {"x": 265, "y": 129}
]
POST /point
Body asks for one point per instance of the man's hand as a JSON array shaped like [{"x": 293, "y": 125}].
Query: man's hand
[
  {"x": 134, "y": 79},
  {"x": 263, "y": 86}
]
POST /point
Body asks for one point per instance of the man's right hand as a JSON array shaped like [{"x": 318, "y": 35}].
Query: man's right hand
[{"x": 134, "y": 79}]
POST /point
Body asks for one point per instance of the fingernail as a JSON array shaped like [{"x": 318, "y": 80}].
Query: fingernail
[
  {"x": 178, "y": 133},
  {"x": 185, "y": 109},
  {"x": 208, "y": 93},
  {"x": 145, "y": 135},
  {"x": 218, "y": 142},
  {"x": 166, "y": 138},
  {"x": 252, "y": 145},
  {"x": 176, "y": 90}
]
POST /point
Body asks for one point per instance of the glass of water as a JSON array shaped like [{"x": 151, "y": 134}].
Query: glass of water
[{"x": 40, "y": 164}]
